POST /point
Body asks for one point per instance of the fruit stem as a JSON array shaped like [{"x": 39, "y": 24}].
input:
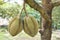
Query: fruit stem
[
  {"x": 25, "y": 9},
  {"x": 20, "y": 12}
]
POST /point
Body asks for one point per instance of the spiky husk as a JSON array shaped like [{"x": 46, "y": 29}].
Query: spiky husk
[
  {"x": 15, "y": 26},
  {"x": 30, "y": 26}
]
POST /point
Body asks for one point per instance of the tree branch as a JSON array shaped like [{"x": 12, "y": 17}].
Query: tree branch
[
  {"x": 39, "y": 8},
  {"x": 41, "y": 31},
  {"x": 56, "y": 3}
]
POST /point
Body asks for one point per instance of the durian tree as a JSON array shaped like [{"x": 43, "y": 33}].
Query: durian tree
[{"x": 45, "y": 10}]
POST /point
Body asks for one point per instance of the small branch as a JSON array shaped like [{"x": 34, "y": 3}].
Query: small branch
[
  {"x": 41, "y": 31},
  {"x": 56, "y": 4},
  {"x": 39, "y": 8}
]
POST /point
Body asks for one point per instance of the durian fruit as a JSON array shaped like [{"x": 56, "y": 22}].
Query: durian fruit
[
  {"x": 15, "y": 26},
  {"x": 30, "y": 25}
]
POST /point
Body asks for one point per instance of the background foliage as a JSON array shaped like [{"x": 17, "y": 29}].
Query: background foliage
[{"x": 8, "y": 10}]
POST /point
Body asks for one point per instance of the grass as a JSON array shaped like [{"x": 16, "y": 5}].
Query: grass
[{"x": 4, "y": 35}]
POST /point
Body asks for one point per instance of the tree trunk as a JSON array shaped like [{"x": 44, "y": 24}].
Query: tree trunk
[
  {"x": 46, "y": 25},
  {"x": 46, "y": 35}
]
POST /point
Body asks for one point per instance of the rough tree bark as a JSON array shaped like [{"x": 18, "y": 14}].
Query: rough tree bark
[
  {"x": 46, "y": 25},
  {"x": 47, "y": 29},
  {"x": 46, "y": 13}
]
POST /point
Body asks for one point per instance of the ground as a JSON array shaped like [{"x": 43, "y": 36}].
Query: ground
[{"x": 4, "y": 35}]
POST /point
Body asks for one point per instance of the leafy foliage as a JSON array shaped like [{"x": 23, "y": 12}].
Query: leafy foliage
[
  {"x": 9, "y": 10},
  {"x": 1, "y": 2},
  {"x": 56, "y": 16}
]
